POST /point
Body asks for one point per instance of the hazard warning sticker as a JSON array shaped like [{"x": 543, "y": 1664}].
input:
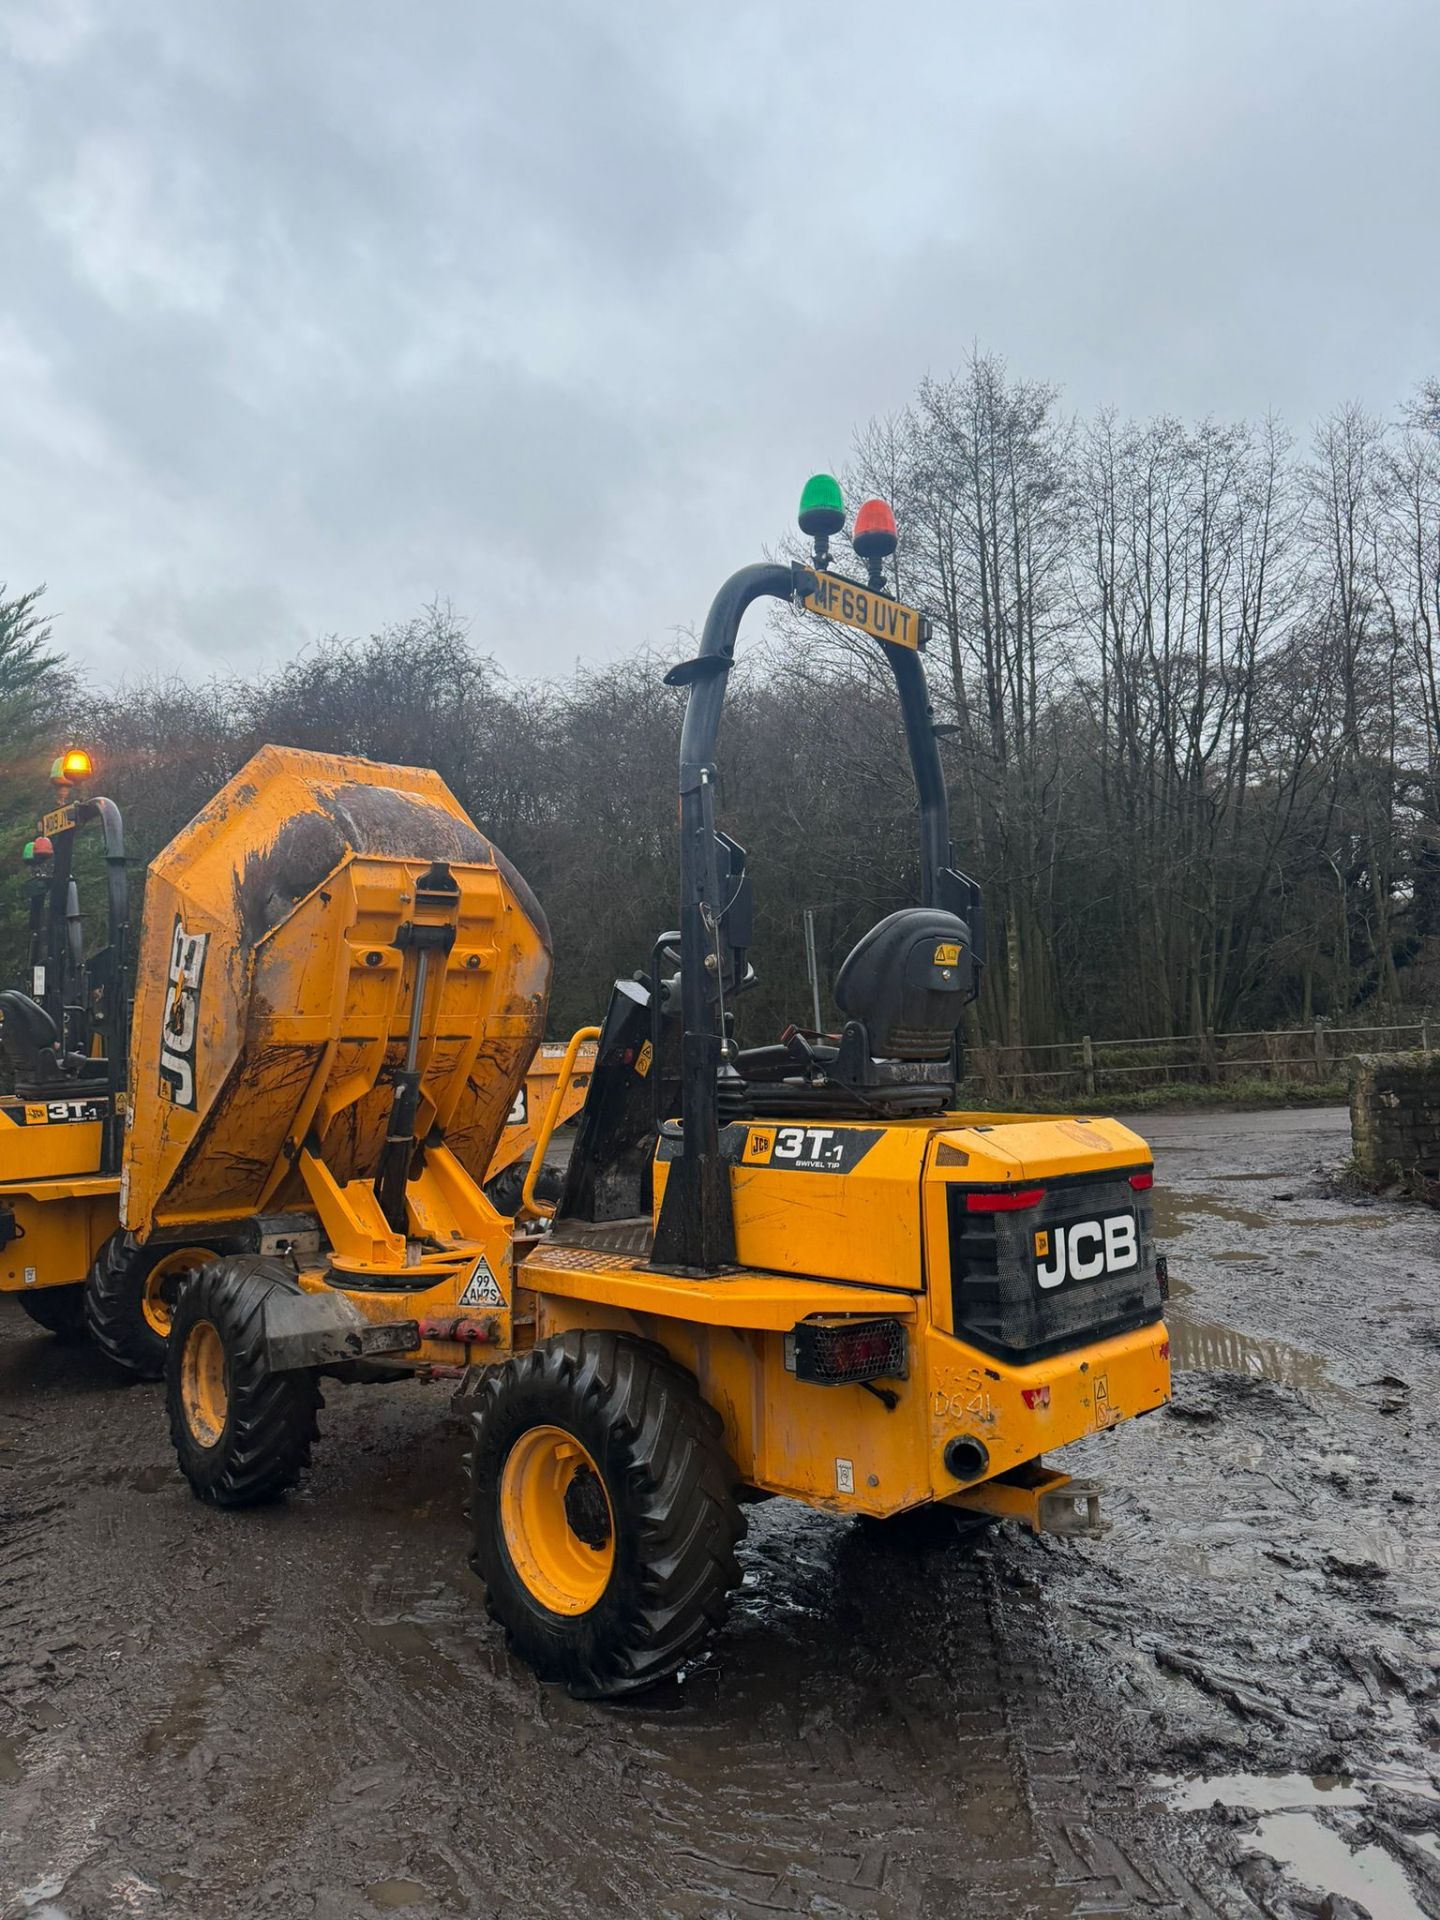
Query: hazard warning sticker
[{"x": 482, "y": 1289}]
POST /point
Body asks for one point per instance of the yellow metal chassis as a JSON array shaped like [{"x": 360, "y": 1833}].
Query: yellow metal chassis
[
  {"x": 841, "y": 1447},
  {"x": 62, "y": 1226}
]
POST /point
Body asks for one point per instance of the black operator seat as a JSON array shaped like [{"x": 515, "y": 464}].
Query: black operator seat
[
  {"x": 31, "y": 1049},
  {"x": 902, "y": 990},
  {"x": 908, "y": 980}
]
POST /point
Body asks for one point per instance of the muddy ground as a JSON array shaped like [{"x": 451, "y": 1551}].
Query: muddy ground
[{"x": 1230, "y": 1705}]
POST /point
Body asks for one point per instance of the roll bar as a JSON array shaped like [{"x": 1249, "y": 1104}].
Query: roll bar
[
  {"x": 696, "y": 1228},
  {"x": 64, "y": 966}
]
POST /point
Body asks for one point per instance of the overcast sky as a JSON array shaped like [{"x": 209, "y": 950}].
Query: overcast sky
[{"x": 315, "y": 309}]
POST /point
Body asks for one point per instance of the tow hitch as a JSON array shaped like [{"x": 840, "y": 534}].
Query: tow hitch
[{"x": 1046, "y": 1501}]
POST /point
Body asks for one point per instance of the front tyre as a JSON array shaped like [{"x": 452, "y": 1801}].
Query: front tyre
[
  {"x": 242, "y": 1435},
  {"x": 603, "y": 1511}
]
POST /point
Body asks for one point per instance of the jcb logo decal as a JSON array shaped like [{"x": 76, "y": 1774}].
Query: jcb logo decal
[
  {"x": 1084, "y": 1249},
  {"x": 182, "y": 1016},
  {"x": 759, "y": 1145}
]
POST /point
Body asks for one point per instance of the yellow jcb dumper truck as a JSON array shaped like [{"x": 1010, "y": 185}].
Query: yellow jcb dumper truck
[
  {"x": 63, "y": 1041},
  {"x": 791, "y": 1267}
]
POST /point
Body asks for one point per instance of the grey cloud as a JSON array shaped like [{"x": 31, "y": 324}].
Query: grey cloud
[{"x": 320, "y": 310}]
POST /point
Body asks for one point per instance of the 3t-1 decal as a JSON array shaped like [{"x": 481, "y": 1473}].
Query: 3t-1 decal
[
  {"x": 803, "y": 1149},
  {"x": 49, "y": 1113}
]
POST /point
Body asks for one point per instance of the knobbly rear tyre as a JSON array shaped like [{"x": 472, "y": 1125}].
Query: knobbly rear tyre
[
  {"x": 935, "y": 1525},
  {"x": 611, "y": 1440},
  {"x": 242, "y": 1435},
  {"x": 129, "y": 1300},
  {"x": 59, "y": 1310}
]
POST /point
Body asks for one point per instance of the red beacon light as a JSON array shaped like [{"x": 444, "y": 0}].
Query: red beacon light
[{"x": 875, "y": 538}]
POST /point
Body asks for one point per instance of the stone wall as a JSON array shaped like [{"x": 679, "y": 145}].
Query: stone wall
[{"x": 1395, "y": 1116}]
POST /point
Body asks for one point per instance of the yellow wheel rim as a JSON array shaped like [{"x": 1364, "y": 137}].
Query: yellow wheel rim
[
  {"x": 557, "y": 1519},
  {"x": 204, "y": 1384},
  {"x": 155, "y": 1302}
]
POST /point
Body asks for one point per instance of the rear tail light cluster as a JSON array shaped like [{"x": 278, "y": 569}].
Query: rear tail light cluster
[
  {"x": 1021, "y": 1199},
  {"x": 1013, "y": 1200},
  {"x": 837, "y": 1352}
]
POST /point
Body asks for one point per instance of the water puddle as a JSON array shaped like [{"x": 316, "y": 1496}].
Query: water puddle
[
  {"x": 1205, "y": 1346},
  {"x": 1324, "y": 1859},
  {"x": 1170, "y": 1207},
  {"x": 394, "y": 1894},
  {"x": 1174, "y": 1209},
  {"x": 1265, "y": 1792},
  {"x": 1290, "y": 1832},
  {"x": 38, "y": 1902},
  {"x": 1350, "y": 1218},
  {"x": 11, "y": 1771}
]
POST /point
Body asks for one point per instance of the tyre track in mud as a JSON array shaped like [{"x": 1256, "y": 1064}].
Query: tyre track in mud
[
  {"x": 1273, "y": 1614},
  {"x": 305, "y": 1710}
]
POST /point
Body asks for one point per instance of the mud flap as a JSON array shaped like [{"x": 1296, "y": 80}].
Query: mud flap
[{"x": 325, "y": 1329}]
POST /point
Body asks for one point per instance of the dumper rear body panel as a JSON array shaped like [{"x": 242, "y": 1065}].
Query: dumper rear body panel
[{"x": 273, "y": 997}]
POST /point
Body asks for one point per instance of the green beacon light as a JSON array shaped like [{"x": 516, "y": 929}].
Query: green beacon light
[
  {"x": 822, "y": 512},
  {"x": 29, "y": 853}
]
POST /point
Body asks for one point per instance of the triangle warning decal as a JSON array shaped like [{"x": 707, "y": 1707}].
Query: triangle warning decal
[{"x": 482, "y": 1289}]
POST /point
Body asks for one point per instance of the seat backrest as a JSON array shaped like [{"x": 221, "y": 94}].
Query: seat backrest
[
  {"x": 26, "y": 1030},
  {"x": 908, "y": 979}
]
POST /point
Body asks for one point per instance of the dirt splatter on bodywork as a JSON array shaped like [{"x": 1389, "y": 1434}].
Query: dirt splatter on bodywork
[{"x": 269, "y": 1006}]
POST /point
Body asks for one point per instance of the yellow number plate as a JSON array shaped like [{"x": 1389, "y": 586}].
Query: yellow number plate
[
  {"x": 852, "y": 606},
  {"x": 59, "y": 822}
]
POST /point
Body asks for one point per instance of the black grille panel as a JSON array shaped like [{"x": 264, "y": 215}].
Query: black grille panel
[
  {"x": 999, "y": 1304},
  {"x": 836, "y": 1352}
]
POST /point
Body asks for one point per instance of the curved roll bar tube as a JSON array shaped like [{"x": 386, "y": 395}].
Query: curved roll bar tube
[{"x": 696, "y": 1229}]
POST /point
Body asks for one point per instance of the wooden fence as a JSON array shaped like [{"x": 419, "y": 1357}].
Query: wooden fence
[{"x": 1084, "y": 1068}]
